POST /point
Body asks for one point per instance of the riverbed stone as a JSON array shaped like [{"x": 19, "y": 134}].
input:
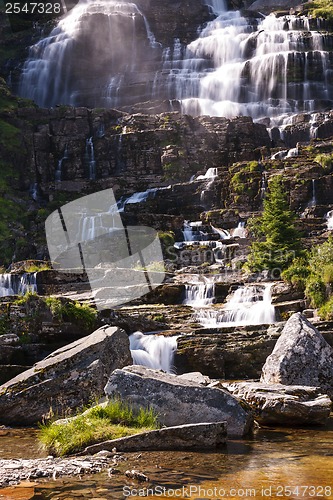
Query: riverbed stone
[
  {"x": 301, "y": 356},
  {"x": 67, "y": 379},
  {"x": 180, "y": 437},
  {"x": 178, "y": 401},
  {"x": 277, "y": 404}
]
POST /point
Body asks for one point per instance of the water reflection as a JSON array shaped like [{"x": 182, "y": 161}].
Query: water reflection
[{"x": 264, "y": 466}]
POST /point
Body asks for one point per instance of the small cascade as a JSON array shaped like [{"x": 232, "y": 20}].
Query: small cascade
[
  {"x": 239, "y": 231},
  {"x": 90, "y": 159},
  {"x": 58, "y": 172},
  {"x": 313, "y": 201},
  {"x": 191, "y": 231},
  {"x": 17, "y": 284},
  {"x": 223, "y": 233},
  {"x": 153, "y": 351},
  {"x": 292, "y": 153},
  {"x": 34, "y": 191},
  {"x": 142, "y": 196},
  {"x": 329, "y": 218},
  {"x": 248, "y": 305},
  {"x": 210, "y": 174},
  {"x": 263, "y": 185},
  {"x": 199, "y": 294}
]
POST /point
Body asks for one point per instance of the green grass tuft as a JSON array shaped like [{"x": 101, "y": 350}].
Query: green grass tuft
[{"x": 99, "y": 423}]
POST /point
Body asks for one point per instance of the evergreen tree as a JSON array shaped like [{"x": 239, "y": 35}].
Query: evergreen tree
[{"x": 278, "y": 239}]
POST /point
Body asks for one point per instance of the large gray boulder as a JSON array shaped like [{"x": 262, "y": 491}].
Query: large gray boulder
[
  {"x": 276, "y": 404},
  {"x": 181, "y": 437},
  {"x": 301, "y": 356},
  {"x": 66, "y": 379},
  {"x": 177, "y": 400}
]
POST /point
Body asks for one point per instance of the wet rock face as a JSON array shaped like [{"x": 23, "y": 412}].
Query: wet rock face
[
  {"x": 66, "y": 379},
  {"x": 177, "y": 400},
  {"x": 301, "y": 356}
]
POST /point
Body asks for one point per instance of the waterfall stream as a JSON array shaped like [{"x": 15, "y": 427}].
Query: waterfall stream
[
  {"x": 17, "y": 284},
  {"x": 248, "y": 305},
  {"x": 261, "y": 66},
  {"x": 153, "y": 351}
]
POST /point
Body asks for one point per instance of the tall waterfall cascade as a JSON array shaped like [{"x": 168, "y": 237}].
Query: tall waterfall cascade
[
  {"x": 248, "y": 305},
  {"x": 17, "y": 284},
  {"x": 153, "y": 351},
  {"x": 264, "y": 67}
]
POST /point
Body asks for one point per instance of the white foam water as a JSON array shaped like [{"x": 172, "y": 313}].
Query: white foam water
[
  {"x": 17, "y": 284},
  {"x": 153, "y": 351}
]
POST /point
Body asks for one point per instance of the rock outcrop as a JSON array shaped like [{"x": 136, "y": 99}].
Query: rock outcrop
[
  {"x": 301, "y": 356},
  {"x": 181, "y": 437},
  {"x": 66, "y": 379},
  {"x": 283, "y": 405},
  {"x": 178, "y": 401}
]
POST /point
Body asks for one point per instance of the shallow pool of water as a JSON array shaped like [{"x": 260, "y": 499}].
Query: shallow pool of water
[{"x": 274, "y": 463}]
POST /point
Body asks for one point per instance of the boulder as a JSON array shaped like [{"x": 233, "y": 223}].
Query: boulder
[
  {"x": 68, "y": 378},
  {"x": 178, "y": 401},
  {"x": 301, "y": 356},
  {"x": 283, "y": 405},
  {"x": 181, "y": 437}
]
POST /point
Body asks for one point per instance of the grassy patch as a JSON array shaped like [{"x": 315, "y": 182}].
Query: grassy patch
[
  {"x": 321, "y": 8},
  {"x": 72, "y": 312},
  {"x": 98, "y": 423}
]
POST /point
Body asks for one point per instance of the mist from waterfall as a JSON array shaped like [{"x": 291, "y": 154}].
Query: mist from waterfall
[{"x": 153, "y": 351}]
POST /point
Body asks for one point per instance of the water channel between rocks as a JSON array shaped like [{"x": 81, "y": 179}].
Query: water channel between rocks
[{"x": 272, "y": 463}]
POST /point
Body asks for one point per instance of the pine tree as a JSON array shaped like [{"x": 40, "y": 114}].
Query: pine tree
[{"x": 278, "y": 239}]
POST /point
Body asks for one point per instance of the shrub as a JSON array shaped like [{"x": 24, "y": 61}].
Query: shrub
[
  {"x": 326, "y": 161},
  {"x": 326, "y": 310},
  {"x": 321, "y": 8},
  {"x": 315, "y": 290},
  {"x": 297, "y": 273}
]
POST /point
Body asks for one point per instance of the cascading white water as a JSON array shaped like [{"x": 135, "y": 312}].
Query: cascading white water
[
  {"x": 17, "y": 284},
  {"x": 329, "y": 218},
  {"x": 58, "y": 172},
  {"x": 90, "y": 158},
  {"x": 210, "y": 174},
  {"x": 153, "y": 351},
  {"x": 223, "y": 233},
  {"x": 248, "y": 305},
  {"x": 89, "y": 51},
  {"x": 200, "y": 293},
  {"x": 313, "y": 201},
  {"x": 274, "y": 67},
  {"x": 141, "y": 197},
  {"x": 239, "y": 231}
]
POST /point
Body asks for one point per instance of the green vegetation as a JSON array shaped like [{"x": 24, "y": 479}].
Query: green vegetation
[
  {"x": 326, "y": 161},
  {"x": 314, "y": 275},
  {"x": 72, "y": 311},
  {"x": 278, "y": 240},
  {"x": 111, "y": 421},
  {"x": 321, "y": 8}
]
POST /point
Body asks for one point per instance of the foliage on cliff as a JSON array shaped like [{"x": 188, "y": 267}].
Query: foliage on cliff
[
  {"x": 321, "y": 8},
  {"x": 313, "y": 274},
  {"x": 278, "y": 240}
]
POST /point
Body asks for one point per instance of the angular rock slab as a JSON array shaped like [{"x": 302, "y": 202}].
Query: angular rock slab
[
  {"x": 179, "y": 401},
  {"x": 301, "y": 356},
  {"x": 181, "y": 437},
  {"x": 283, "y": 405},
  {"x": 66, "y": 379}
]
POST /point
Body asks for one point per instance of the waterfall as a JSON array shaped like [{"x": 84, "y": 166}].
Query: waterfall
[
  {"x": 329, "y": 218},
  {"x": 153, "y": 351},
  {"x": 273, "y": 67},
  {"x": 239, "y": 231},
  {"x": 92, "y": 50},
  {"x": 58, "y": 172},
  {"x": 90, "y": 159},
  {"x": 313, "y": 201},
  {"x": 200, "y": 294},
  {"x": 223, "y": 233},
  {"x": 17, "y": 284},
  {"x": 142, "y": 196},
  {"x": 210, "y": 174},
  {"x": 248, "y": 305}
]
